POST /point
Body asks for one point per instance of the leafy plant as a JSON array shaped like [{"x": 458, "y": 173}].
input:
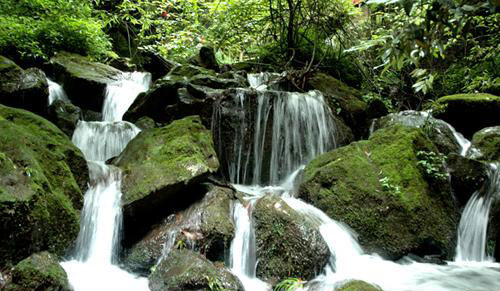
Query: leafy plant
[
  {"x": 433, "y": 164},
  {"x": 388, "y": 186},
  {"x": 290, "y": 284},
  {"x": 215, "y": 284}
]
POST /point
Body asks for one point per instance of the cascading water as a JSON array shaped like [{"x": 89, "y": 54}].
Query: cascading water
[
  {"x": 348, "y": 261},
  {"x": 94, "y": 264},
  {"x": 56, "y": 92}
]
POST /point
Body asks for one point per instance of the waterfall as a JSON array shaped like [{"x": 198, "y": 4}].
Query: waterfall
[
  {"x": 94, "y": 261},
  {"x": 56, "y": 92},
  {"x": 472, "y": 230}
]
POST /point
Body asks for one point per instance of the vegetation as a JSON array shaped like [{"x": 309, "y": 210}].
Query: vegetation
[{"x": 290, "y": 284}]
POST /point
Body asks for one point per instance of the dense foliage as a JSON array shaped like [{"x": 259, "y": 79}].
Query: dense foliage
[{"x": 33, "y": 30}]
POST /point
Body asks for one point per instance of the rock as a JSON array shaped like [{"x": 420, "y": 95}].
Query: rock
[
  {"x": 215, "y": 82},
  {"x": 376, "y": 108},
  {"x": 157, "y": 65},
  {"x": 343, "y": 100},
  {"x": 184, "y": 270},
  {"x": 205, "y": 227},
  {"x": 42, "y": 178},
  {"x": 466, "y": 176},
  {"x": 26, "y": 89},
  {"x": 438, "y": 131},
  {"x": 288, "y": 245},
  {"x": 487, "y": 140},
  {"x": 494, "y": 229},
  {"x": 89, "y": 115},
  {"x": 83, "y": 80},
  {"x": 40, "y": 271},
  {"x": 357, "y": 285},
  {"x": 161, "y": 164},
  {"x": 65, "y": 115},
  {"x": 379, "y": 189},
  {"x": 207, "y": 58},
  {"x": 461, "y": 109},
  {"x": 145, "y": 123},
  {"x": 189, "y": 71}
]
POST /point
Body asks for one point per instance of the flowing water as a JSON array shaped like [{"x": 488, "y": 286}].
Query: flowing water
[
  {"x": 93, "y": 266},
  {"x": 56, "y": 92},
  {"x": 472, "y": 269}
]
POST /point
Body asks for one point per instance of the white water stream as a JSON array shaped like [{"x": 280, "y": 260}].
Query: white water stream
[
  {"x": 472, "y": 270},
  {"x": 56, "y": 92},
  {"x": 93, "y": 266}
]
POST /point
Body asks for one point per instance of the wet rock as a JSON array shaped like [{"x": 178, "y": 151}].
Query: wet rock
[
  {"x": 26, "y": 89},
  {"x": 145, "y": 123},
  {"x": 469, "y": 113},
  {"x": 157, "y": 65},
  {"x": 83, "y": 80},
  {"x": 487, "y": 140},
  {"x": 342, "y": 99},
  {"x": 184, "y": 270},
  {"x": 288, "y": 244},
  {"x": 42, "y": 179},
  {"x": 379, "y": 189},
  {"x": 438, "y": 131},
  {"x": 89, "y": 115},
  {"x": 357, "y": 285},
  {"x": 205, "y": 227},
  {"x": 40, "y": 271},
  {"x": 466, "y": 176},
  {"x": 162, "y": 165},
  {"x": 494, "y": 229},
  {"x": 65, "y": 115},
  {"x": 206, "y": 58}
]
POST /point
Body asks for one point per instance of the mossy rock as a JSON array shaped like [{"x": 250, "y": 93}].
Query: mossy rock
[
  {"x": 42, "y": 178},
  {"x": 288, "y": 244},
  {"x": 65, "y": 115},
  {"x": 466, "y": 176},
  {"x": 83, "y": 80},
  {"x": 378, "y": 188},
  {"x": 161, "y": 164},
  {"x": 487, "y": 140},
  {"x": 184, "y": 270},
  {"x": 469, "y": 113},
  {"x": 342, "y": 99},
  {"x": 438, "y": 131},
  {"x": 206, "y": 227},
  {"x": 26, "y": 89},
  {"x": 40, "y": 271},
  {"x": 357, "y": 285}
]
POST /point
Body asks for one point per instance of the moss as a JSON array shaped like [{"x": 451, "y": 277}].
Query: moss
[
  {"x": 288, "y": 245},
  {"x": 487, "y": 141},
  {"x": 358, "y": 286},
  {"x": 40, "y": 271},
  {"x": 475, "y": 97},
  {"x": 377, "y": 188},
  {"x": 38, "y": 189},
  {"x": 81, "y": 67}
]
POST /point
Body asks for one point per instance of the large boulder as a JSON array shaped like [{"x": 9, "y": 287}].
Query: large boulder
[
  {"x": 438, "y": 131},
  {"x": 184, "y": 270},
  {"x": 357, "y": 285},
  {"x": 288, "y": 244},
  {"x": 65, "y": 115},
  {"x": 469, "y": 113},
  {"x": 390, "y": 190},
  {"x": 40, "y": 271},
  {"x": 206, "y": 227},
  {"x": 162, "y": 165},
  {"x": 466, "y": 176},
  {"x": 42, "y": 175},
  {"x": 27, "y": 89},
  {"x": 344, "y": 100},
  {"x": 83, "y": 80},
  {"x": 487, "y": 140}
]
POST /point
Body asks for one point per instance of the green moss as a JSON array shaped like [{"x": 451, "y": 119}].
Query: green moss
[
  {"x": 81, "y": 67},
  {"x": 38, "y": 190},
  {"x": 358, "y": 286},
  {"x": 173, "y": 154},
  {"x": 475, "y": 97},
  {"x": 378, "y": 189},
  {"x": 487, "y": 141}
]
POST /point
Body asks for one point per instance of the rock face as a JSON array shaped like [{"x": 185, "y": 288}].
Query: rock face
[
  {"x": 469, "y": 113},
  {"x": 288, "y": 245},
  {"x": 344, "y": 100},
  {"x": 438, "y": 131},
  {"x": 84, "y": 81},
  {"x": 206, "y": 227},
  {"x": 358, "y": 286},
  {"x": 27, "y": 89},
  {"x": 184, "y": 270},
  {"x": 466, "y": 176},
  {"x": 65, "y": 116},
  {"x": 42, "y": 175},
  {"x": 487, "y": 140},
  {"x": 160, "y": 165},
  {"x": 380, "y": 188},
  {"x": 40, "y": 271}
]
